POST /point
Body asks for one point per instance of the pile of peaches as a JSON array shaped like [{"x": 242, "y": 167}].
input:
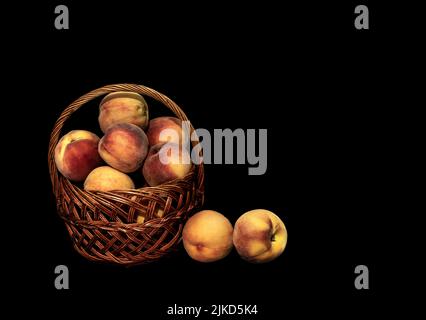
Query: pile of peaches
[
  {"x": 131, "y": 143},
  {"x": 259, "y": 236}
]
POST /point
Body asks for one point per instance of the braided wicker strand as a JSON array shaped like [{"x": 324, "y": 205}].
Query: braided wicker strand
[{"x": 102, "y": 224}]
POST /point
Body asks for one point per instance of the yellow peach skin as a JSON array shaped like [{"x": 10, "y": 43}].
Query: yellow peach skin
[
  {"x": 123, "y": 107},
  {"x": 259, "y": 236},
  {"x": 207, "y": 236},
  {"x": 107, "y": 179}
]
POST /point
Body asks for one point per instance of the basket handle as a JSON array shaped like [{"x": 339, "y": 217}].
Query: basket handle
[{"x": 77, "y": 104}]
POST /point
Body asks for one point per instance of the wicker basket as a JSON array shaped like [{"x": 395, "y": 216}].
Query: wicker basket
[{"x": 102, "y": 224}]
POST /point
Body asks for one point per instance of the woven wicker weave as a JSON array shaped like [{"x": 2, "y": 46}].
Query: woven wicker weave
[{"x": 102, "y": 224}]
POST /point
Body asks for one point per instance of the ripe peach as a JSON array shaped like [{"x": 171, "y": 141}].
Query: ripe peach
[
  {"x": 124, "y": 147},
  {"x": 259, "y": 236},
  {"x": 123, "y": 107},
  {"x": 207, "y": 236},
  {"x": 166, "y": 162},
  {"x": 76, "y": 154},
  {"x": 107, "y": 179},
  {"x": 166, "y": 129}
]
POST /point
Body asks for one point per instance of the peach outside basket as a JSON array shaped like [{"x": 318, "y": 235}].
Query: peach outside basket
[{"x": 102, "y": 224}]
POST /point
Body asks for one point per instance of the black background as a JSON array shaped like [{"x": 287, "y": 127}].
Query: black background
[{"x": 302, "y": 71}]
